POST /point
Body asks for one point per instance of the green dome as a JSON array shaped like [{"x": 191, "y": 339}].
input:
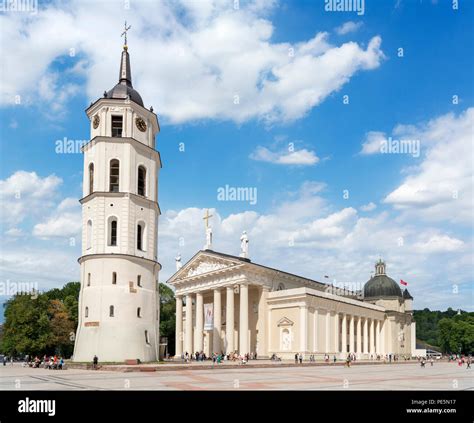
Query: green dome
[{"x": 381, "y": 285}]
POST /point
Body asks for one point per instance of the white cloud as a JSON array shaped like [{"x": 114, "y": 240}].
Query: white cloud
[
  {"x": 301, "y": 157},
  {"x": 374, "y": 140},
  {"x": 440, "y": 187},
  {"x": 25, "y": 193},
  {"x": 439, "y": 244},
  {"x": 14, "y": 232},
  {"x": 64, "y": 222},
  {"x": 348, "y": 27},
  {"x": 368, "y": 207},
  {"x": 189, "y": 59}
]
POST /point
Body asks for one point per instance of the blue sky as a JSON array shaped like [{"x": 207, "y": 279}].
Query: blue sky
[{"x": 291, "y": 136}]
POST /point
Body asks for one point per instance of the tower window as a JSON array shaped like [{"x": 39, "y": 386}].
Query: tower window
[
  {"x": 139, "y": 312},
  {"x": 114, "y": 278},
  {"x": 111, "y": 311},
  {"x": 114, "y": 175},
  {"x": 140, "y": 237},
  {"x": 91, "y": 178},
  {"x": 141, "y": 180},
  {"x": 89, "y": 235},
  {"x": 146, "y": 337},
  {"x": 88, "y": 279},
  {"x": 86, "y": 312},
  {"x": 117, "y": 126},
  {"x": 139, "y": 280},
  {"x": 113, "y": 232}
]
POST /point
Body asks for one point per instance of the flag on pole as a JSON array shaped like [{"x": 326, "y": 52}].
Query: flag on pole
[{"x": 403, "y": 282}]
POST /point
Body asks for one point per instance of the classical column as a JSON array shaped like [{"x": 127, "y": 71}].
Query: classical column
[
  {"x": 344, "y": 335},
  {"x": 372, "y": 335},
  {"x": 262, "y": 348},
  {"x": 303, "y": 329},
  {"x": 336, "y": 332},
  {"x": 377, "y": 337},
  {"x": 351, "y": 334},
  {"x": 199, "y": 321},
  {"x": 216, "y": 335},
  {"x": 189, "y": 324},
  {"x": 244, "y": 319},
  {"x": 179, "y": 326},
  {"x": 366, "y": 336},
  {"x": 327, "y": 347},
  {"x": 316, "y": 330},
  {"x": 229, "y": 319},
  {"x": 359, "y": 337},
  {"x": 382, "y": 337}
]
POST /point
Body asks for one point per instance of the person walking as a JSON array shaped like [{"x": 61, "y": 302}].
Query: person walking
[
  {"x": 301, "y": 358},
  {"x": 296, "y": 358},
  {"x": 95, "y": 362}
]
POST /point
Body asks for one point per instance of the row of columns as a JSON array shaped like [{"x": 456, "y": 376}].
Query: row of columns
[
  {"x": 371, "y": 329},
  {"x": 187, "y": 345}
]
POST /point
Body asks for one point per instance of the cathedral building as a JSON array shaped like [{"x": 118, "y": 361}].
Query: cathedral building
[
  {"x": 119, "y": 297},
  {"x": 227, "y": 303}
]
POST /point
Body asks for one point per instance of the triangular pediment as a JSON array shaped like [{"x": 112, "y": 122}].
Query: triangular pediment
[
  {"x": 285, "y": 322},
  {"x": 204, "y": 263}
]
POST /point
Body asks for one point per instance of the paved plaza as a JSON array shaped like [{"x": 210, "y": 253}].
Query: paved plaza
[{"x": 442, "y": 376}]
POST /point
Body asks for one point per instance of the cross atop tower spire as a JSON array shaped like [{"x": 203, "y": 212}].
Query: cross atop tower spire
[{"x": 124, "y": 34}]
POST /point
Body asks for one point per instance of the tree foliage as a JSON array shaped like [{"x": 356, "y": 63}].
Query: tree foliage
[
  {"x": 168, "y": 316},
  {"x": 448, "y": 330},
  {"x": 41, "y": 323}
]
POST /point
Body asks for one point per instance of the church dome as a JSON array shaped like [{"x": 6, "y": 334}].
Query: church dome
[
  {"x": 124, "y": 89},
  {"x": 380, "y": 285}
]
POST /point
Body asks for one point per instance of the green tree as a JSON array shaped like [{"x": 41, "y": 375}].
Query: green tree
[
  {"x": 168, "y": 316},
  {"x": 27, "y": 328},
  {"x": 43, "y": 323}
]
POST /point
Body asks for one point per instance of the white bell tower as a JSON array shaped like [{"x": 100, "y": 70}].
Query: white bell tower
[{"x": 119, "y": 298}]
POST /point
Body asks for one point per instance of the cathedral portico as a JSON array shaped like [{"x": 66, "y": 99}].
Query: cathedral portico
[{"x": 250, "y": 308}]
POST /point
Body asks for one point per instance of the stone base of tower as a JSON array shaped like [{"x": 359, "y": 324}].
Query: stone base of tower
[
  {"x": 112, "y": 343},
  {"x": 118, "y": 309}
]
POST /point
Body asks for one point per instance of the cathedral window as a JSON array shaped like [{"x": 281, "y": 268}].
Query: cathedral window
[
  {"x": 146, "y": 337},
  {"x": 117, "y": 125},
  {"x": 141, "y": 180},
  {"x": 114, "y": 175},
  {"x": 86, "y": 312},
  {"x": 114, "y": 278},
  {"x": 88, "y": 279},
  {"x": 139, "y": 280},
  {"x": 139, "y": 312},
  {"x": 91, "y": 178},
  {"x": 113, "y": 232},
  {"x": 111, "y": 311}
]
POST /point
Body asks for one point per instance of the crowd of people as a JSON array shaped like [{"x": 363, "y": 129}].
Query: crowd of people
[
  {"x": 218, "y": 357},
  {"x": 47, "y": 362}
]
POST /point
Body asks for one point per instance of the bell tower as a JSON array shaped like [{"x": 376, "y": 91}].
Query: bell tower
[{"x": 119, "y": 297}]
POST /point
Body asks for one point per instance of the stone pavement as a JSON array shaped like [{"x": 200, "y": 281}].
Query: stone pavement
[{"x": 407, "y": 376}]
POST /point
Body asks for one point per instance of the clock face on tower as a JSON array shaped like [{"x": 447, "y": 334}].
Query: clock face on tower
[
  {"x": 96, "y": 121},
  {"x": 141, "y": 125}
]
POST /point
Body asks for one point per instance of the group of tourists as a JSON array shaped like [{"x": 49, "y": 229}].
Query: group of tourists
[
  {"x": 218, "y": 357},
  {"x": 461, "y": 360},
  {"x": 47, "y": 362}
]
